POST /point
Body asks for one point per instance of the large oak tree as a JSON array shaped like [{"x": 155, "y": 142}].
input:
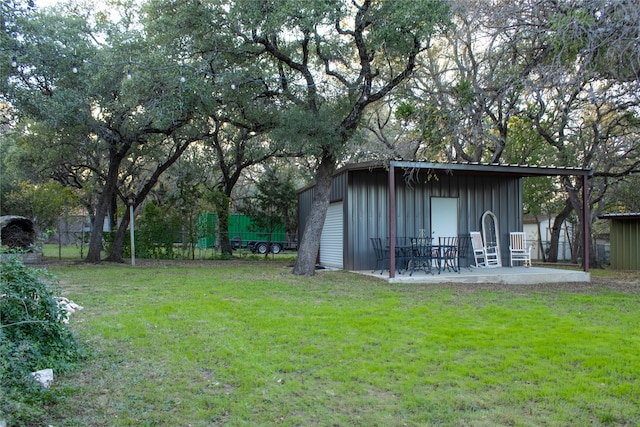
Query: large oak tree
[
  {"x": 112, "y": 97},
  {"x": 334, "y": 59}
]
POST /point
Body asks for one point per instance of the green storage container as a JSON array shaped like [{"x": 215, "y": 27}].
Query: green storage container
[{"x": 241, "y": 231}]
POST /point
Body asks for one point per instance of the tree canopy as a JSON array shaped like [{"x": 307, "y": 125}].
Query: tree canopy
[{"x": 105, "y": 102}]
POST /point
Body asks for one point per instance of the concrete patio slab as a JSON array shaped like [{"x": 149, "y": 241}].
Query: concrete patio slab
[{"x": 503, "y": 275}]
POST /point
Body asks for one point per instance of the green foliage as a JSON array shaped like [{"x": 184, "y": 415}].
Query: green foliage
[
  {"x": 404, "y": 111},
  {"x": 43, "y": 203},
  {"x": 32, "y": 337},
  {"x": 156, "y": 232},
  {"x": 394, "y": 20},
  {"x": 624, "y": 196},
  {"x": 570, "y": 32},
  {"x": 464, "y": 93}
]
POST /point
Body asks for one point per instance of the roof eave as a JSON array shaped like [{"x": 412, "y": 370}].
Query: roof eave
[{"x": 519, "y": 170}]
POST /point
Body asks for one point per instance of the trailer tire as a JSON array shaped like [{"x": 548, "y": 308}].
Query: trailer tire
[
  {"x": 276, "y": 248},
  {"x": 261, "y": 248}
]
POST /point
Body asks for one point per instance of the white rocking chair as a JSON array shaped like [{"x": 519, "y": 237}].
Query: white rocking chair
[
  {"x": 491, "y": 239},
  {"x": 479, "y": 254},
  {"x": 518, "y": 248},
  {"x": 484, "y": 257}
]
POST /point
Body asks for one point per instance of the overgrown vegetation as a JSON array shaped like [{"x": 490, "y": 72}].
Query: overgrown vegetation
[
  {"x": 157, "y": 235},
  {"x": 33, "y": 336}
]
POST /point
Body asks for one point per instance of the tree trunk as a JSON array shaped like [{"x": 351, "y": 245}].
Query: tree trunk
[
  {"x": 576, "y": 202},
  {"x": 540, "y": 242},
  {"x": 105, "y": 201},
  {"x": 305, "y": 264},
  {"x": 556, "y": 229},
  {"x": 95, "y": 241},
  {"x": 221, "y": 201},
  {"x": 118, "y": 241}
]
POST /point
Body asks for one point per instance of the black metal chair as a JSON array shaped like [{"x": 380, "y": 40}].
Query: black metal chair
[
  {"x": 464, "y": 243},
  {"x": 403, "y": 253},
  {"x": 421, "y": 255},
  {"x": 382, "y": 255},
  {"x": 449, "y": 254}
]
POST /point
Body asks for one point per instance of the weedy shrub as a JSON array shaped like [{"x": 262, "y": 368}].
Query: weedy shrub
[{"x": 32, "y": 337}]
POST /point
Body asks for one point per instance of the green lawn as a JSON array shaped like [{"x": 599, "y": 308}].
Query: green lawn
[{"x": 245, "y": 343}]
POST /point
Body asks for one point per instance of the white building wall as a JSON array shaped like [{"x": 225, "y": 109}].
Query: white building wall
[{"x": 564, "y": 245}]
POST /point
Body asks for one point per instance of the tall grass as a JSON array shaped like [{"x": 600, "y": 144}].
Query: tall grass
[{"x": 246, "y": 343}]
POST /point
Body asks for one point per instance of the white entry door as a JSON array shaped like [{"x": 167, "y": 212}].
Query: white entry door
[{"x": 444, "y": 217}]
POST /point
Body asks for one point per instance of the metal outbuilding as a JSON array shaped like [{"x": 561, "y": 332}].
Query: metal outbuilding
[
  {"x": 625, "y": 240},
  {"x": 399, "y": 198}
]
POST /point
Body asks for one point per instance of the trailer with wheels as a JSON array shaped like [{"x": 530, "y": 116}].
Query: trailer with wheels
[{"x": 243, "y": 234}]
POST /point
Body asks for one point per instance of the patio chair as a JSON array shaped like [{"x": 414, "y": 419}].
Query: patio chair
[
  {"x": 479, "y": 253},
  {"x": 493, "y": 256},
  {"x": 382, "y": 255},
  {"x": 422, "y": 255},
  {"x": 464, "y": 243},
  {"x": 485, "y": 257},
  {"x": 449, "y": 253},
  {"x": 403, "y": 253},
  {"x": 518, "y": 248}
]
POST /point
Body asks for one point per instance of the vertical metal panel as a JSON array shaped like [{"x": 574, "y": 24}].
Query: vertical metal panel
[
  {"x": 338, "y": 187},
  {"x": 367, "y": 216},
  {"x": 305, "y": 200},
  {"x": 625, "y": 244}
]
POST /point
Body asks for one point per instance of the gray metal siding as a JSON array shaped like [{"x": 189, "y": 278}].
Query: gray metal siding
[
  {"x": 305, "y": 200},
  {"x": 366, "y": 206},
  {"x": 367, "y": 213},
  {"x": 338, "y": 187}
]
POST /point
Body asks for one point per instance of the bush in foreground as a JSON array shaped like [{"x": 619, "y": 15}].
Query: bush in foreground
[{"x": 33, "y": 336}]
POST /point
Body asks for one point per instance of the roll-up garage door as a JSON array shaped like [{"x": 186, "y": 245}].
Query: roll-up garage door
[{"x": 331, "y": 240}]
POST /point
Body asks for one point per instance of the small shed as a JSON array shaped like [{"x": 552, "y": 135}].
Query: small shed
[
  {"x": 625, "y": 240},
  {"x": 407, "y": 199}
]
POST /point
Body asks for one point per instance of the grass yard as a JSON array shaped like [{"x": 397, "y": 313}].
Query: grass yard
[{"x": 245, "y": 343}]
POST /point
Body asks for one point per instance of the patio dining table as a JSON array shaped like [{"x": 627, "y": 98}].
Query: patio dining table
[{"x": 426, "y": 256}]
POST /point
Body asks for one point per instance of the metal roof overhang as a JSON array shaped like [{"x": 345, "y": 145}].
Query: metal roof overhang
[
  {"x": 494, "y": 168},
  {"x": 621, "y": 216},
  {"x": 479, "y": 169},
  {"x": 464, "y": 168}
]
